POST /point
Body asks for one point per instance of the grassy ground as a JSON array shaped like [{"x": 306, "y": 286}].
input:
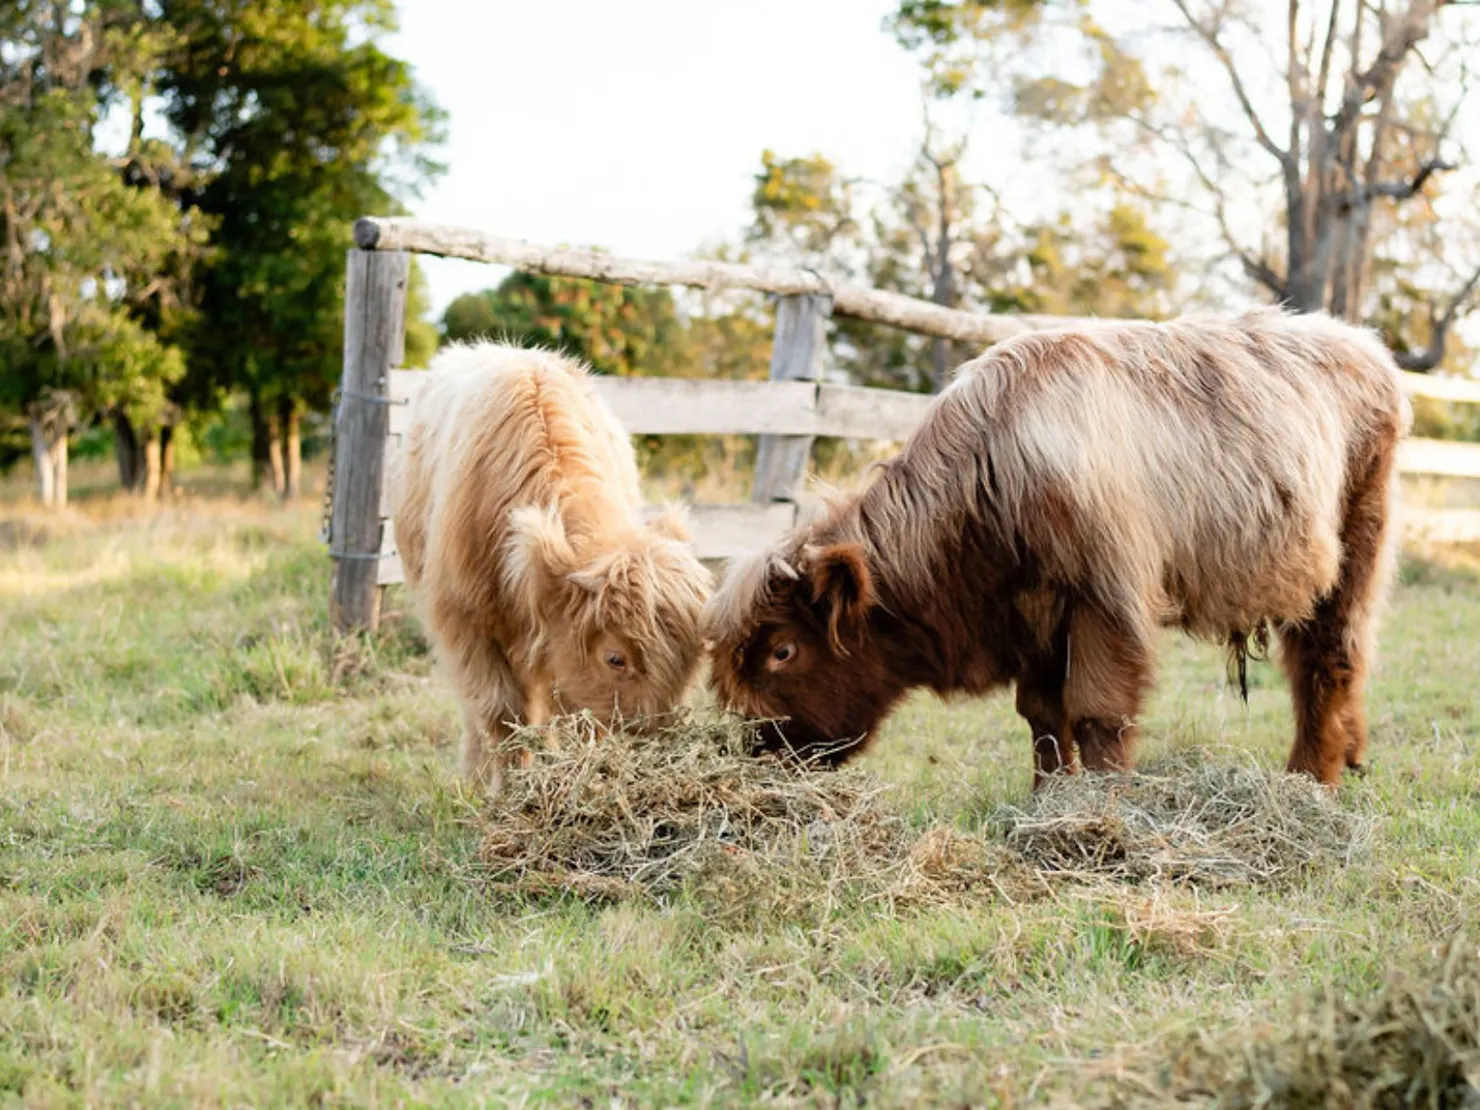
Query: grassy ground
[{"x": 236, "y": 868}]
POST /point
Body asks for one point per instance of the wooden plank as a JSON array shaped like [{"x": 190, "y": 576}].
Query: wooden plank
[
  {"x": 688, "y": 406},
  {"x": 728, "y": 531},
  {"x": 797, "y": 355},
  {"x": 374, "y": 337},
  {"x": 1441, "y": 389},
  {"x": 389, "y": 570},
  {"x": 720, "y": 532},
  {"x": 374, "y": 233},
  {"x": 856, "y": 413},
  {"x": 693, "y": 406},
  {"x": 401, "y": 387},
  {"x": 1450, "y": 458},
  {"x": 1442, "y": 525},
  {"x": 392, "y": 444}
]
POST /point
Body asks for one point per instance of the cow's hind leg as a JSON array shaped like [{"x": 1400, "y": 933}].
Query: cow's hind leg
[
  {"x": 1109, "y": 672},
  {"x": 1327, "y": 657},
  {"x": 1323, "y": 677}
]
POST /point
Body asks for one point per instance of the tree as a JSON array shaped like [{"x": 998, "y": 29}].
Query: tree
[
  {"x": 930, "y": 237},
  {"x": 297, "y": 121},
  {"x": 622, "y": 330},
  {"x": 87, "y": 254},
  {"x": 1355, "y": 119},
  {"x": 804, "y": 210},
  {"x": 1118, "y": 266}
]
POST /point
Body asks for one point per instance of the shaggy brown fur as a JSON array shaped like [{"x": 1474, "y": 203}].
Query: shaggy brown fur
[
  {"x": 517, "y": 518},
  {"x": 1069, "y": 493}
]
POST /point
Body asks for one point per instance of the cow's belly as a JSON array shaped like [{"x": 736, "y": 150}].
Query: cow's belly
[{"x": 1237, "y": 591}]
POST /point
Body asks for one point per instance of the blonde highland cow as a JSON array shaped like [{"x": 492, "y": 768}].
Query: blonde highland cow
[
  {"x": 1071, "y": 492},
  {"x": 516, "y": 509}
]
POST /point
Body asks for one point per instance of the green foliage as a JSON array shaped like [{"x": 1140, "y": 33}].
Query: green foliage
[
  {"x": 1114, "y": 86},
  {"x": 88, "y": 284},
  {"x": 1435, "y": 419},
  {"x": 1118, "y": 267},
  {"x": 803, "y": 202},
  {"x": 302, "y": 122},
  {"x": 952, "y": 37},
  {"x": 421, "y": 332},
  {"x": 617, "y": 329}
]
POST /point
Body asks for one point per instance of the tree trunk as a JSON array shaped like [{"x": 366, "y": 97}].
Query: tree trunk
[
  {"x": 148, "y": 478},
  {"x": 167, "y": 459},
  {"x": 49, "y": 451},
  {"x": 944, "y": 292},
  {"x": 59, "y": 469},
  {"x": 267, "y": 457},
  {"x": 126, "y": 448},
  {"x": 291, "y": 450}
]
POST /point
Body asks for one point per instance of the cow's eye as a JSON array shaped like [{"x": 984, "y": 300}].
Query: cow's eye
[
  {"x": 782, "y": 654},
  {"x": 616, "y": 660}
]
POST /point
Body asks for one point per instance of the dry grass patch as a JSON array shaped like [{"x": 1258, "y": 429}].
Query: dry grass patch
[
  {"x": 1186, "y": 819},
  {"x": 1413, "y": 1043}
]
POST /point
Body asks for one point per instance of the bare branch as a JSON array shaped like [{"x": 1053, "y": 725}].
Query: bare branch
[
  {"x": 1326, "y": 51},
  {"x": 1439, "y": 326},
  {"x": 1406, "y": 32},
  {"x": 1401, "y": 190},
  {"x": 1215, "y": 44},
  {"x": 1255, "y": 267}
]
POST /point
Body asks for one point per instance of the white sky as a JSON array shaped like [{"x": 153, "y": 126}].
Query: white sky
[{"x": 637, "y": 125}]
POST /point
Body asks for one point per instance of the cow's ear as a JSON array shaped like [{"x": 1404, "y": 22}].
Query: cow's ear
[
  {"x": 593, "y": 579},
  {"x": 672, "y": 524},
  {"x": 842, "y": 588},
  {"x": 541, "y": 552}
]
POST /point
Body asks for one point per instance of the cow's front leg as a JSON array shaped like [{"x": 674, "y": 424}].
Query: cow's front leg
[
  {"x": 1108, "y": 672},
  {"x": 1040, "y": 702}
]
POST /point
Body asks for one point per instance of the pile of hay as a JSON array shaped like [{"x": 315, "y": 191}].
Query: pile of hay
[
  {"x": 606, "y": 815},
  {"x": 1414, "y": 1042},
  {"x": 609, "y": 815},
  {"x": 1184, "y": 818}
]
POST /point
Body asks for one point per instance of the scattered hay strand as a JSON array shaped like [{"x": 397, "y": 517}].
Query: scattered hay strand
[{"x": 1184, "y": 818}]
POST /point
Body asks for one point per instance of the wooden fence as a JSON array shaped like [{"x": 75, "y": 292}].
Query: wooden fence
[{"x": 787, "y": 412}]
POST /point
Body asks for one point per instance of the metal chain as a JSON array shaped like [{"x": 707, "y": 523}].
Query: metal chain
[{"x": 326, "y": 526}]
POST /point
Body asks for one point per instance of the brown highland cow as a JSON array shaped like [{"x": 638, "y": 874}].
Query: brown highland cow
[
  {"x": 517, "y": 515},
  {"x": 1069, "y": 493}
]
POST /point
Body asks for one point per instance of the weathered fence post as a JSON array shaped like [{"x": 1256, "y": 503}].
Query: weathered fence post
[
  {"x": 797, "y": 353},
  {"x": 374, "y": 343}
]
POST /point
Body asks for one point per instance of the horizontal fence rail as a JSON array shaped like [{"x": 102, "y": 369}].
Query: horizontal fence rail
[
  {"x": 787, "y": 413},
  {"x": 874, "y": 305},
  {"x": 684, "y": 406}
]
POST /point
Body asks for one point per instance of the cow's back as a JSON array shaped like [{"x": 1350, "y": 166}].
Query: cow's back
[
  {"x": 1193, "y": 472},
  {"x": 495, "y": 428}
]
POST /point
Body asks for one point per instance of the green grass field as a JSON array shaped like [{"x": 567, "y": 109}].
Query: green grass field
[{"x": 236, "y": 868}]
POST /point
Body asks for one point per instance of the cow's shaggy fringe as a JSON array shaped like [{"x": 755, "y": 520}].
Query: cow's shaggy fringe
[
  {"x": 1185, "y": 818},
  {"x": 1415, "y": 1042},
  {"x": 684, "y": 807}
]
